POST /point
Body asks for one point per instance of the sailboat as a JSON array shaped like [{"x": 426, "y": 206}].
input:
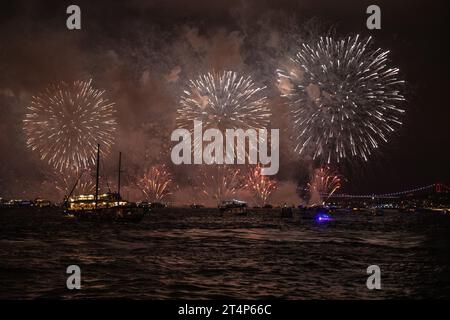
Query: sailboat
[{"x": 105, "y": 207}]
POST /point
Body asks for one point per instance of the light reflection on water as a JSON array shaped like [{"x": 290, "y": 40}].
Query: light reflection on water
[{"x": 203, "y": 254}]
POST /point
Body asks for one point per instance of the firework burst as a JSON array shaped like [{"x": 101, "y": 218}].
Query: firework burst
[
  {"x": 156, "y": 183},
  {"x": 344, "y": 98},
  {"x": 66, "y": 121},
  {"x": 261, "y": 186},
  {"x": 85, "y": 184},
  {"x": 324, "y": 183},
  {"x": 219, "y": 182},
  {"x": 223, "y": 101}
]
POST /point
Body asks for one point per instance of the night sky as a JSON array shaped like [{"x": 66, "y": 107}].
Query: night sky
[{"x": 142, "y": 52}]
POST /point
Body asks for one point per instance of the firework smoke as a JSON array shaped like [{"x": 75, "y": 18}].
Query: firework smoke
[
  {"x": 344, "y": 98},
  {"x": 260, "y": 186},
  {"x": 66, "y": 121},
  {"x": 156, "y": 183}
]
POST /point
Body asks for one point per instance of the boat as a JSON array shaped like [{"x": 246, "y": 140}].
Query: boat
[
  {"x": 234, "y": 206},
  {"x": 287, "y": 212},
  {"x": 322, "y": 214},
  {"x": 103, "y": 207}
]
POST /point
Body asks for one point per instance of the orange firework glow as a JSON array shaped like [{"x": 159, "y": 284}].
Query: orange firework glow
[
  {"x": 324, "y": 183},
  {"x": 260, "y": 185},
  {"x": 220, "y": 182},
  {"x": 155, "y": 183}
]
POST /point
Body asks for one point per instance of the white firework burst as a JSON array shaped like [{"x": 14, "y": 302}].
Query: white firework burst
[
  {"x": 223, "y": 101},
  {"x": 65, "y": 123},
  {"x": 344, "y": 97}
]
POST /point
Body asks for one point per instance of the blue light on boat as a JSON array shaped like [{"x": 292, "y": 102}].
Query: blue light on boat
[{"x": 322, "y": 217}]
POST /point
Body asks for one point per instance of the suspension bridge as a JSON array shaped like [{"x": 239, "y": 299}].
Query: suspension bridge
[{"x": 422, "y": 190}]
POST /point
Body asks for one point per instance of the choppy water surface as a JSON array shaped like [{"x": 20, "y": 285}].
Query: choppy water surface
[{"x": 203, "y": 255}]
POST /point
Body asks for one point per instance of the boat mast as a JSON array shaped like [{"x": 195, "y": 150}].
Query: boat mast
[
  {"x": 96, "y": 178},
  {"x": 66, "y": 199},
  {"x": 118, "y": 181}
]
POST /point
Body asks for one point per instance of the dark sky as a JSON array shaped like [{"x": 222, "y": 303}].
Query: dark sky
[{"x": 131, "y": 48}]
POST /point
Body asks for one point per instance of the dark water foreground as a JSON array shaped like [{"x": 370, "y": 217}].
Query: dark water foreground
[{"x": 203, "y": 254}]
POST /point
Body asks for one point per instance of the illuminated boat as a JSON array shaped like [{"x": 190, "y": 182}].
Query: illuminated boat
[
  {"x": 104, "y": 207},
  {"x": 323, "y": 215}
]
